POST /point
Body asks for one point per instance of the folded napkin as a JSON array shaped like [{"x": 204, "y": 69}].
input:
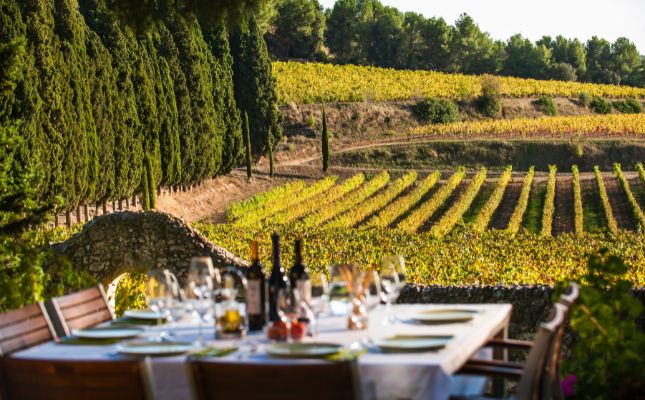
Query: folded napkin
[
  {"x": 213, "y": 352},
  {"x": 345, "y": 355}
]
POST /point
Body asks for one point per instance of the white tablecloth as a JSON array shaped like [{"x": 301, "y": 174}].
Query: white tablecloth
[{"x": 425, "y": 375}]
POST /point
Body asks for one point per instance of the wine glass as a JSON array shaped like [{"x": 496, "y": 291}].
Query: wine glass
[
  {"x": 340, "y": 294},
  {"x": 177, "y": 309},
  {"x": 202, "y": 283},
  {"x": 371, "y": 287},
  {"x": 319, "y": 302},
  {"x": 392, "y": 277},
  {"x": 158, "y": 295}
]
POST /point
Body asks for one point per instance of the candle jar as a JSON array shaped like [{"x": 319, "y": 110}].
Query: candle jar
[
  {"x": 230, "y": 312},
  {"x": 357, "y": 319}
]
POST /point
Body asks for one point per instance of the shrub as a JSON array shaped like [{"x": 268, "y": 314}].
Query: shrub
[
  {"x": 628, "y": 106},
  {"x": 585, "y": 98},
  {"x": 600, "y": 105},
  {"x": 548, "y": 105},
  {"x": 489, "y": 102},
  {"x": 436, "y": 111},
  {"x": 563, "y": 72},
  {"x": 311, "y": 121}
]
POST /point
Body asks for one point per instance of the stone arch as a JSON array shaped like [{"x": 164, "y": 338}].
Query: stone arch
[{"x": 113, "y": 244}]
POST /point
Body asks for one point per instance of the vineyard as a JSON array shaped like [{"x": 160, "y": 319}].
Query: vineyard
[
  {"x": 326, "y": 83},
  {"x": 468, "y": 226}
]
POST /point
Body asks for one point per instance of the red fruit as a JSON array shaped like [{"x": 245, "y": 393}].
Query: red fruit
[{"x": 298, "y": 329}]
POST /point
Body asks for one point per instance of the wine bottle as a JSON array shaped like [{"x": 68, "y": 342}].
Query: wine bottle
[
  {"x": 299, "y": 275},
  {"x": 256, "y": 291},
  {"x": 277, "y": 280}
]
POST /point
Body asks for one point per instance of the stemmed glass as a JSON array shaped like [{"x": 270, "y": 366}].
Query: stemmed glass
[
  {"x": 340, "y": 295},
  {"x": 158, "y": 295},
  {"x": 392, "y": 277},
  {"x": 177, "y": 308},
  {"x": 372, "y": 293},
  {"x": 202, "y": 283},
  {"x": 319, "y": 302}
]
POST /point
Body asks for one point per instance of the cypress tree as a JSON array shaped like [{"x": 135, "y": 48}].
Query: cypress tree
[
  {"x": 270, "y": 154},
  {"x": 145, "y": 189},
  {"x": 247, "y": 141},
  {"x": 254, "y": 84},
  {"x": 325, "y": 143},
  {"x": 150, "y": 180}
]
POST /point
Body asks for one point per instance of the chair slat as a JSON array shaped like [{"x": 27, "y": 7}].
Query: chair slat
[
  {"x": 82, "y": 309},
  {"x": 24, "y": 328},
  {"x": 89, "y": 320},
  {"x": 25, "y": 341},
  {"x": 27, "y": 312},
  {"x": 81, "y": 297},
  {"x": 64, "y": 379},
  {"x": 79, "y": 310}
]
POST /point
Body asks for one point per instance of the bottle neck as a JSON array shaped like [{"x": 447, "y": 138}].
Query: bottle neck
[
  {"x": 298, "y": 253},
  {"x": 276, "y": 252},
  {"x": 254, "y": 252}
]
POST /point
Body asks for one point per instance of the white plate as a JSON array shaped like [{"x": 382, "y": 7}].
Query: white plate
[
  {"x": 144, "y": 314},
  {"x": 155, "y": 348},
  {"x": 303, "y": 350},
  {"x": 107, "y": 333},
  {"x": 443, "y": 316},
  {"x": 406, "y": 343}
]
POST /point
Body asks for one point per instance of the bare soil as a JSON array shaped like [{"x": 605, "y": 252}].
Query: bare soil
[
  {"x": 563, "y": 219},
  {"x": 456, "y": 194},
  {"x": 504, "y": 211},
  {"x": 619, "y": 203}
]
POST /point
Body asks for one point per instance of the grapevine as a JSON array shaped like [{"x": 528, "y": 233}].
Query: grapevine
[
  {"x": 516, "y": 219},
  {"x": 393, "y": 211},
  {"x": 486, "y": 213},
  {"x": 549, "y": 203},
  {"x": 457, "y": 210},
  {"x": 577, "y": 202},
  {"x": 633, "y": 203},
  {"x": 611, "y": 221},
  {"x": 417, "y": 218}
]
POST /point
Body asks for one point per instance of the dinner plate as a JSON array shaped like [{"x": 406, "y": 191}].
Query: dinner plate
[
  {"x": 154, "y": 348},
  {"x": 106, "y": 333},
  {"x": 303, "y": 350},
  {"x": 144, "y": 314},
  {"x": 443, "y": 316},
  {"x": 410, "y": 343}
]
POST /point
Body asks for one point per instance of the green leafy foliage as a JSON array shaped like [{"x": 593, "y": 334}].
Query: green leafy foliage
[
  {"x": 436, "y": 111},
  {"x": 628, "y": 106},
  {"x": 585, "y": 98},
  {"x": 600, "y": 105},
  {"x": 548, "y": 105},
  {"x": 608, "y": 358},
  {"x": 489, "y": 102}
]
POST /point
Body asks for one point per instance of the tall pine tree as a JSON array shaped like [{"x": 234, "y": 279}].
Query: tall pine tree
[{"x": 325, "y": 143}]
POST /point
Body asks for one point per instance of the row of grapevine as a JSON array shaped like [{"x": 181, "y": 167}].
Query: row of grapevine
[
  {"x": 633, "y": 203},
  {"x": 348, "y": 201},
  {"x": 612, "y": 124},
  {"x": 486, "y": 213},
  {"x": 578, "y": 216},
  {"x": 389, "y": 214},
  {"x": 520, "y": 208},
  {"x": 315, "y": 202},
  {"x": 457, "y": 210},
  {"x": 611, "y": 221},
  {"x": 263, "y": 200},
  {"x": 327, "y": 83},
  {"x": 419, "y": 216},
  {"x": 286, "y": 200},
  {"x": 371, "y": 205},
  {"x": 641, "y": 171},
  {"x": 549, "y": 203}
]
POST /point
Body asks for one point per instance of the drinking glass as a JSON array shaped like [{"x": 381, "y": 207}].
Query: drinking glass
[
  {"x": 340, "y": 294},
  {"x": 319, "y": 302},
  {"x": 392, "y": 277},
  {"x": 158, "y": 295},
  {"x": 177, "y": 309},
  {"x": 371, "y": 286},
  {"x": 202, "y": 285}
]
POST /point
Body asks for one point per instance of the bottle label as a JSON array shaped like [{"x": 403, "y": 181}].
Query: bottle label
[
  {"x": 253, "y": 297},
  {"x": 304, "y": 290}
]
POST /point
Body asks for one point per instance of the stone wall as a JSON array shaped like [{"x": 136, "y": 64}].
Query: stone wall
[{"x": 127, "y": 241}]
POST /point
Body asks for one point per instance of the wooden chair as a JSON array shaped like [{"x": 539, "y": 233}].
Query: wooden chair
[
  {"x": 33, "y": 379},
  {"x": 251, "y": 381},
  {"x": 534, "y": 379},
  {"x": 23, "y": 328},
  {"x": 79, "y": 310}
]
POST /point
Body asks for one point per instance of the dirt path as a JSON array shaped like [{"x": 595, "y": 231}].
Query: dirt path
[
  {"x": 563, "y": 220},
  {"x": 619, "y": 204},
  {"x": 504, "y": 211}
]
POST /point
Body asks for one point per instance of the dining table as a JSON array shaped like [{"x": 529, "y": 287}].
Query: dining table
[{"x": 429, "y": 374}]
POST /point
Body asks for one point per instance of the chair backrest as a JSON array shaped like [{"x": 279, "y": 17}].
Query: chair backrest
[
  {"x": 552, "y": 383},
  {"x": 532, "y": 384},
  {"x": 24, "y": 328},
  {"x": 214, "y": 380},
  {"x": 33, "y": 379},
  {"x": 79, "y": 310}
]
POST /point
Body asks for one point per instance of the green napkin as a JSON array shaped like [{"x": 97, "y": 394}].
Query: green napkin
[
  {"x": 346, "y": 355},
  {"x": 137, "y": 321},
  {"x": 73, "y": 340},
  {"x": 214, "y": 352}
]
